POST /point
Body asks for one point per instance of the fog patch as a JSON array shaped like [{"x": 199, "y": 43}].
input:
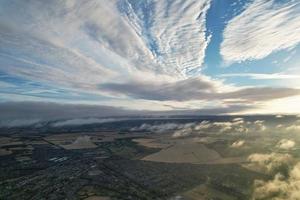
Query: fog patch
[
  {"x": 18, "y": 123},
  {"x": 82, "y": 142}
]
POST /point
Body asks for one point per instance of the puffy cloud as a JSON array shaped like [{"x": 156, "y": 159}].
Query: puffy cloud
[
  {"x": 158, "y": 127},
  {"x": 281, "y": 187},
  {"x": 271, "y": 163},
  {"x": 180, "y": 129},
  {"x": 238, "y": 144},
  {"x": 234, "y": 126},
  {"x": 293, "y": 128},
  {"x": 259, "y": 125},
  {"x": 286, "y": 144},
  {"x": 223, "y": 126},
  {"x": 183, "y": 132},
  {"x": 264, "y": 27},
  {"x": 203, "y": 125}
]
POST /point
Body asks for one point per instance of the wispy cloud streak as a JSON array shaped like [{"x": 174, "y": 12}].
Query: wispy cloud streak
[{"x": 266, "y": 26}]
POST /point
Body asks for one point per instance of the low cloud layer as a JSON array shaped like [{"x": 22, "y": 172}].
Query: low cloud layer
[
  {"x": 86, "y": 121},
  {"x": 54, "y": 111},
  {"x": 27, "y": 113},
  {"x": 234, "y": 126},
  {"x": 18, "y": 122}
]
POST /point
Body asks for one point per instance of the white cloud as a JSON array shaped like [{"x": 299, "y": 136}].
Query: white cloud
[
  {"x": 131, "y": 55},
  {"x": 179, "y": 29},
  {"x": 281, "y": 187},
  {"x": 158, "y": 127},
  {"x": 203, "y": 125},
  {"x": 259, "y": 125},
  {"x": 266, "y": 26},
  {"x": 66, "y": 44},
  {"x": 293, "y": 128},
  {"x": 182, "y": 132},
  {"x": 238, "y": 144},
  {"x": 286, "y": 144},
  {"x": 235, "y": 126},
  {"x": 270, "y": 163},
  {"x": 257, "y": 76}
]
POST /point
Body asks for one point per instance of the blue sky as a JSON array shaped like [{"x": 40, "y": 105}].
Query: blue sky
[{"x": 157, "y": 55}]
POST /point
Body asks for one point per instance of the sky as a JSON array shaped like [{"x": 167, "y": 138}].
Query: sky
[{"x": 149, "y": 56}]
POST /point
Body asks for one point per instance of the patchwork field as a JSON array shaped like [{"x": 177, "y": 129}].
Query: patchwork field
[
  {"x": 188, "y": 151},
  {"x": 210, "y": 161}
]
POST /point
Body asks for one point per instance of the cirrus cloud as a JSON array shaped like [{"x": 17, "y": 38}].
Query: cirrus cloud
[{"x": 266, "y": 26}]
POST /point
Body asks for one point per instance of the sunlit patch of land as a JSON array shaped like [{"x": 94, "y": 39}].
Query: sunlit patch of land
[{"x": 189, "y": 151}]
